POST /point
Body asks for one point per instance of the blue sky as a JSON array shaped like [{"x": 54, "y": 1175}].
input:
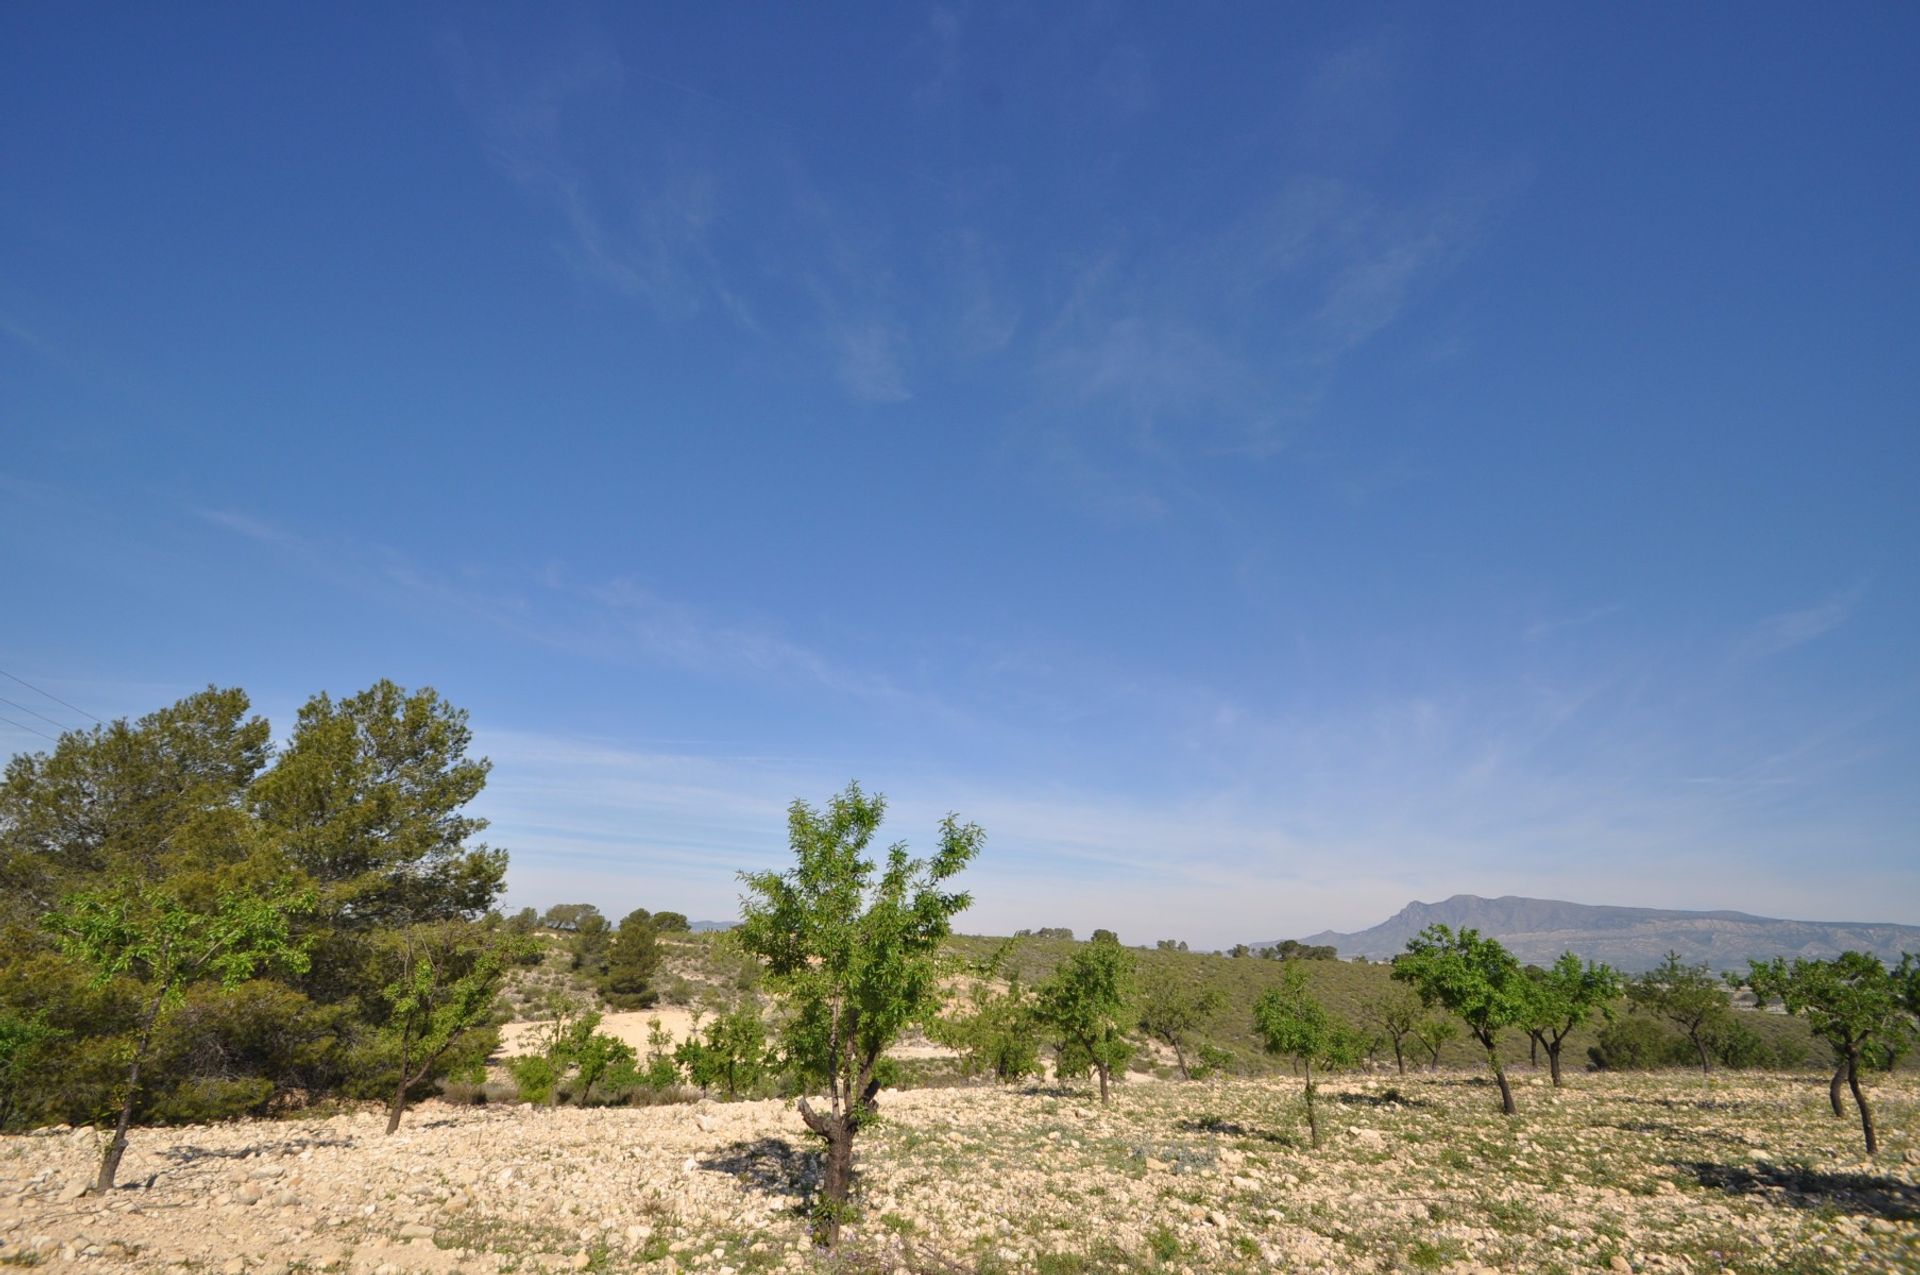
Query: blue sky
[{"x": 1265, "y": 464}]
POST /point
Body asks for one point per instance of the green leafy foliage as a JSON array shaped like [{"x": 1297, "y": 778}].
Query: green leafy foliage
[
  {"x": 1089, "y": 1005},
  {"x": 1292, "y": 1023},
  {"x": 23, "y": 1039},
  {"x": 1689, "y": 997},
  {"x": 1562, "y": 997},
  {"x": 440, "y": 1007},
  {"x": 731, "y": 1053},
  {"x": 854, "y": 949},
  {"x": 997, "y": 1031},
  {"x": 149, "y": 934},
  {"x": 1174, "y": 1007},
  {"x": 367, "y": 800},
  {"x": 632, "y": 959},
  {"x": 1473, "y": 978},
  {"x": 1853, "y": 1002}
]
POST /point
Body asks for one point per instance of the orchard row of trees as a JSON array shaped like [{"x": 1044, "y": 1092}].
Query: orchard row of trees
[{"x": 1867, "y": 1012}]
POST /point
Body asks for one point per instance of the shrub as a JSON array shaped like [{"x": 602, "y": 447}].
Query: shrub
[{"x": 1634, "y": 1042}]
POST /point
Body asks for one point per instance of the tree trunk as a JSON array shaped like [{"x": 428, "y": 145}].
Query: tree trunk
[
  {"x": 1533, "y": 1050},
  {"x": 1313, "y": 1117},
  {"x": 1706, "y": 1059},
  {"x": 117, "y": 1148},
  {"x": 1180, "y": 1057},
  {"x": 110, "y": 1161},
  {"x": 398, "y": 1107},
  {"x": 836, "y": 1187},
  {"x": 1100, "y": 1070},
  {"x": 1860, "y": 1100},
  {"x": 1399, "y": 1059},
  {"x": 1500, "y": 1076},
  {"x": 1833, "y": 1090},
  {"x": 1553, "y": 1062}
]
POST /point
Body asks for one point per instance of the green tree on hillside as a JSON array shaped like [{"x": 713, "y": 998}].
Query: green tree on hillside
[
  {"x": 731, "y": 1054},
  {"x": 151, "y": 934},
  {"x": 368, "y": 801},
  {"x": 1433, "y": 1035},
  {"x": 1689, "y": 997},
  {"x": 1291, "y": 1022},
  {"x": 1853, "y": 1002},
  {"x": 440, "y": 1002},
  {"x": 566, "y": 917},
  {"x": 632, "y": 957},
  {"x": 589, "y": 947},
  {"x": 671, "y": 923},
  {"x": 1397, "y": 1012},
  {"x": 1087, "y": 1002},
  {"x": 1562, "y": 997},
  {"x": 999, "y": 1029},
  {"x": 1475, "y": 979},
  {"x": 1172, "y": 1009},
  {"x": 854, "y": 949},
  {"x": 150, "y": 800}
]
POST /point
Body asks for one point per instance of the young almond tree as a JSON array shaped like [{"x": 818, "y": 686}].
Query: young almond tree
[
  {"x": 1853, "y": 1002},
  {"x": 1397, "y": 1014},
  {"x": 854, "y": 948},
  {"x": 1290, "y": 1021},
  {"x": 1172, "y": 1009},
  {"x": 1476, "y": 980},
  {"x": 1690, "y": 998},
  {"x": 1086, "y": 1002},
  {"x": 147, "y": 932},
  {"x": 447, "y": 979},
  {"x": 1562, "y": 997}
]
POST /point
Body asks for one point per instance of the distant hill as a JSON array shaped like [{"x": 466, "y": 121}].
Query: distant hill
[
  {"x": 1630, "y": 939},
  {"x": 701, "y": 927}
]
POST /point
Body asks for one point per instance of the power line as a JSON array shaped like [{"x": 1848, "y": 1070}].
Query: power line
[
  {"x": 30, "y": 730},
  {"x": 42, "y": 716},
  {"x": 50, "y": 695}
]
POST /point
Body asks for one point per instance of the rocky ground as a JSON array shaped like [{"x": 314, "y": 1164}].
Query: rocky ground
[{"x": 1418, "y": 1173}]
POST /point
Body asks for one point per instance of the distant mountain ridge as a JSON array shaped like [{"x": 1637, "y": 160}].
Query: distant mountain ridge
[{"x": 1630, "y": 939}]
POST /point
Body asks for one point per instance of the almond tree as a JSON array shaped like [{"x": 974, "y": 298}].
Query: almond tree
[
  {"x": 1562, "y": 997},
  {"x": 1475, "y": 979},
  {"x": 1687, "y": 996},
  {"x": 148, "y": 932},
  {"x": 1086, "y": 1002},
  {"x": 1291, "y": 1022},
  {"x": 1397, "y": 1014},
  {"x": 1853, "y": 1002},
  {"x": 1172, "y": 1010},
  {"x": 447, "y": 980},
  {"x": 854, "y": 949}
]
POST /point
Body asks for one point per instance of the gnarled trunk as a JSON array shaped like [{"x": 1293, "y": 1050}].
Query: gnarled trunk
[
  {"x": 1553, "y": 1062},
  {"x": 1399, "y": 1057},
  {"x": 1833, "y": 1090},
  {"x": 1500, "y": 1077},
  {"x": 836, "y": 1182},
  {"x": 1860, "y": 1100},
  {"x": 1100, "y": 1069}
]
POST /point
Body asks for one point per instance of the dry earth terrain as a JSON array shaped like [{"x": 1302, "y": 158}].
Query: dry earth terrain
[{"x": 1419, "y": 1173}]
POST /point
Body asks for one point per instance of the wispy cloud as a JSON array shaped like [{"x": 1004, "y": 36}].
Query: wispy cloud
[
  {"x": 1541, "y": 629},
  {"x": 872, "y": 365},
  {"x": 253, "y": 528},
  {"x": 1782, "y": 632}
]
